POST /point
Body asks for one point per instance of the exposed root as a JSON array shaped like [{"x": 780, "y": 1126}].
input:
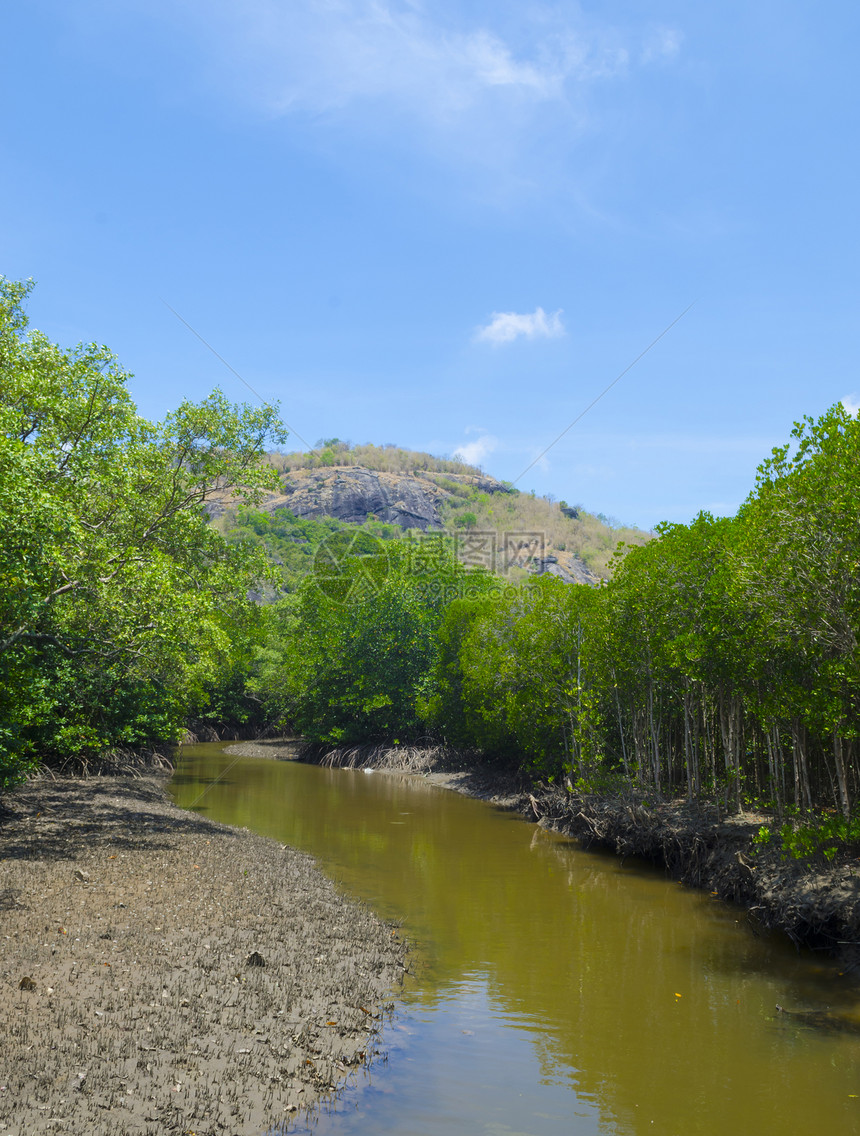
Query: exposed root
[
  {"x": 112, "y": 763},
  {"x": 401, "y": 759}
]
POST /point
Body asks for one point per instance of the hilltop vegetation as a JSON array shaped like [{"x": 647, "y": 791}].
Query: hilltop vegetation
[
  {"x": 572, "y": 530},
  {"x": 387, "y": 458},
  {"x": 459, "y": 497},
  {"x": 291, "y": 544}
]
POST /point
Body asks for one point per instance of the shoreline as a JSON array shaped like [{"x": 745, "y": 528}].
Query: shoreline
[
  {"x": 131, "y": 992},
  {"x": 814, "y": 903},
  {"x": 161, "y": 972}
]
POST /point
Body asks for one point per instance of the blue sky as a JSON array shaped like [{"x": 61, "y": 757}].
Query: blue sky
[{"x": 452, "y": 225}]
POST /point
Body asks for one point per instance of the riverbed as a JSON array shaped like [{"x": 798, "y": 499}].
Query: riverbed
[{"x": 553, "y": 990}]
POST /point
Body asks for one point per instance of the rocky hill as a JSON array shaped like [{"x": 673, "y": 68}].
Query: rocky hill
[
  {"x": 418, "y": 501},
  {"x": 416, "y": 491},
  {"x": 353, "y": 494}
]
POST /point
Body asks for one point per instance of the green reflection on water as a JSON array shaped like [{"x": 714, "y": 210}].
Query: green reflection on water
[{"x": 652, "y": 1002}]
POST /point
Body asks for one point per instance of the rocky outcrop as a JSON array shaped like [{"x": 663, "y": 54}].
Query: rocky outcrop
[
  {"x": 568, "y": 568},
  {"x": 350, "y": 493},
  {"x": 353, "y": 494}
]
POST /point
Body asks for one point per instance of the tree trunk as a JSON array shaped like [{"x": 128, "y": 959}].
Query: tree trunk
[
  {"x": 802, "y": 793},
  {"x": 841, "y": 774}
]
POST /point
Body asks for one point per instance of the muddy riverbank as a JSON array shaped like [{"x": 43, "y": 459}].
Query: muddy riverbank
[
  {"x": 815, "y": 903},
  {"x": 160, "y": 972}
]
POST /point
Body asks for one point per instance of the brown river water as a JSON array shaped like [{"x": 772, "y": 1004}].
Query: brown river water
[{"x": 555, "y": 991}]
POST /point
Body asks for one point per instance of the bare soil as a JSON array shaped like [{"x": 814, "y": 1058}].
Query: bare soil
[{"x": 163, "y": 973}]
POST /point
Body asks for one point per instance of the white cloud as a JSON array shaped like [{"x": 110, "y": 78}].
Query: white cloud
[
  {"x": 665, "y": 43},
  {"x": 474, "y": 453},
  {"x": 498, "y": 95},
  {"x": 325, "y": 53},
  {"x": 505, "y": 327},
  {"x": 488, "y": 79},
  {"x": 851, "y": 402}
]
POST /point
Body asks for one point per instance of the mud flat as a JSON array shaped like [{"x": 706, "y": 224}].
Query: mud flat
[
  {"x": 163, "y": 973},
  {"x": 815, "y": 902}
]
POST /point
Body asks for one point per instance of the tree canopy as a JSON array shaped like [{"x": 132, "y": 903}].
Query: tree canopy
[
  {"x": 118, "y": 601},
  {"x": 721, "y": 659}
]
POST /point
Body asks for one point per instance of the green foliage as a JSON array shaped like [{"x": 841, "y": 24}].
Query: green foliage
[
  {"x": 350, "y": 656},
  {"x": 827, "y": 836},
  {"x": 721, "y": 659},
  {"x": 511, "y": 680},
  {"x": 451, "y": 710},
  {"x": 119, "y": 603},
  {"x": 291, "y": 543},
  {"x": 384, "y": 459}
]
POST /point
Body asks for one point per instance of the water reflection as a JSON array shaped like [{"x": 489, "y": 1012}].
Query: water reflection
[{"x": 555, "y": 990}]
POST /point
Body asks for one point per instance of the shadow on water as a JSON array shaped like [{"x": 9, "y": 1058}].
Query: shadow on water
[
  {"x": 186, "y": 779},
  {"x": 555, "y": 990}
]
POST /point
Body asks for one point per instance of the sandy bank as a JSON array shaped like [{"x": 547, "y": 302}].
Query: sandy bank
[{"x": 129, "y": 998}]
